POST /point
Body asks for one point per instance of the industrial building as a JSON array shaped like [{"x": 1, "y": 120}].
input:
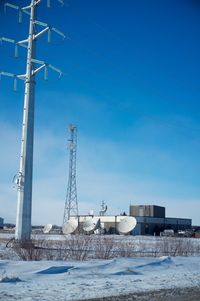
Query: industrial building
[
  {"x": 108, "y": 223},
  {"x": 151, "y": 220},
  {"x": 1, "y": 222},
  {"x": 147, "y": 210}
]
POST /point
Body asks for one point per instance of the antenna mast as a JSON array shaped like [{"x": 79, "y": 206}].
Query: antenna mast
[
  {"x": 24, "y": 177},
  {"x": 71, "y": 203}
]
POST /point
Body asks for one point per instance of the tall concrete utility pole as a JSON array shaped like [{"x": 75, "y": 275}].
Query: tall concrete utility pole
[
  {"x": 24, "y": 177},
  {"x": 24, "y": 202},
  {"x": 71, "y": 203}
]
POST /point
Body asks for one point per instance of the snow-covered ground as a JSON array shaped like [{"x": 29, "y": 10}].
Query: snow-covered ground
[
  {"x": 60, "y": 280},
  {"x": 84, "y": 247},
  {"x": 69, "y": 279}
]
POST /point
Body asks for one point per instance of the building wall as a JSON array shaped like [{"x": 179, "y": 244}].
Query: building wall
[
  {"x": 151, "y": 225},
  {"x": 159, "y": 211},
  {"x": 147, "y": 210},
  {"x": 1, "y": 222},
  {"x": 108, "y": 222}
]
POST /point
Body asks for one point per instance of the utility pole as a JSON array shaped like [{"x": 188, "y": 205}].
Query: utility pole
[
  {"x": 24, "y": 177},
  {"x": 71, "y": 203}
]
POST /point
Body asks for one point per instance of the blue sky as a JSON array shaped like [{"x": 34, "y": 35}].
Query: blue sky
[{"x": 131, "y": 85}]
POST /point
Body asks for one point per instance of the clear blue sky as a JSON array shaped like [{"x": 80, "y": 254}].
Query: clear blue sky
[{"x": 131, "y": 84}]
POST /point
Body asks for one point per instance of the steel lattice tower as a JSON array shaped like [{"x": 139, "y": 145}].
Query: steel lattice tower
[
  {"x": 71, "y": 203},
  {"x": 33, "y": 66}
]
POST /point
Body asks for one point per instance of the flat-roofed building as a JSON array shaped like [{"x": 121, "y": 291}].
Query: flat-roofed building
[
  {"x": 108, "y": 223},
  {"x": 151, "y": 220},
  {"x": 1, "y": 222}
]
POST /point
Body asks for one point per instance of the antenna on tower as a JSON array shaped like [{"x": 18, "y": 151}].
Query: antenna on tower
[
  {"x": 103, "y": 209},
  {"x": 71, "y": 203},
  {"x": 23, "y": 179}
]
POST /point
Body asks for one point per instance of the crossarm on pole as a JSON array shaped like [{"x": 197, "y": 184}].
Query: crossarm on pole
[
  {"x": 20, "y": 10},
  {"x": 16, "y": 43},
  {"x": 45, "y": 66},
  {"x": 14, "y": 76}
]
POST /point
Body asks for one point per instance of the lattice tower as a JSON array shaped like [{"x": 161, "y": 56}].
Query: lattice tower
[{"x": 71, "y": 203}]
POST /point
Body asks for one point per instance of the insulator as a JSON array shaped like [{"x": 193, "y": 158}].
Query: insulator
[
  {"x": 20, "y": 16},
  {"x": 16, "y": 50},
  {"x": 45, "y": 73},
  {"x": 15, "y": 84},
  {"x": 48, "y": 3},
  {"x": 49, "y": 36}
]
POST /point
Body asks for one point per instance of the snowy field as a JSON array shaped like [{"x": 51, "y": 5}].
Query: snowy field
[
  {"x": 107, "y": 266},
  {"x": 73, "y": 280}
]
